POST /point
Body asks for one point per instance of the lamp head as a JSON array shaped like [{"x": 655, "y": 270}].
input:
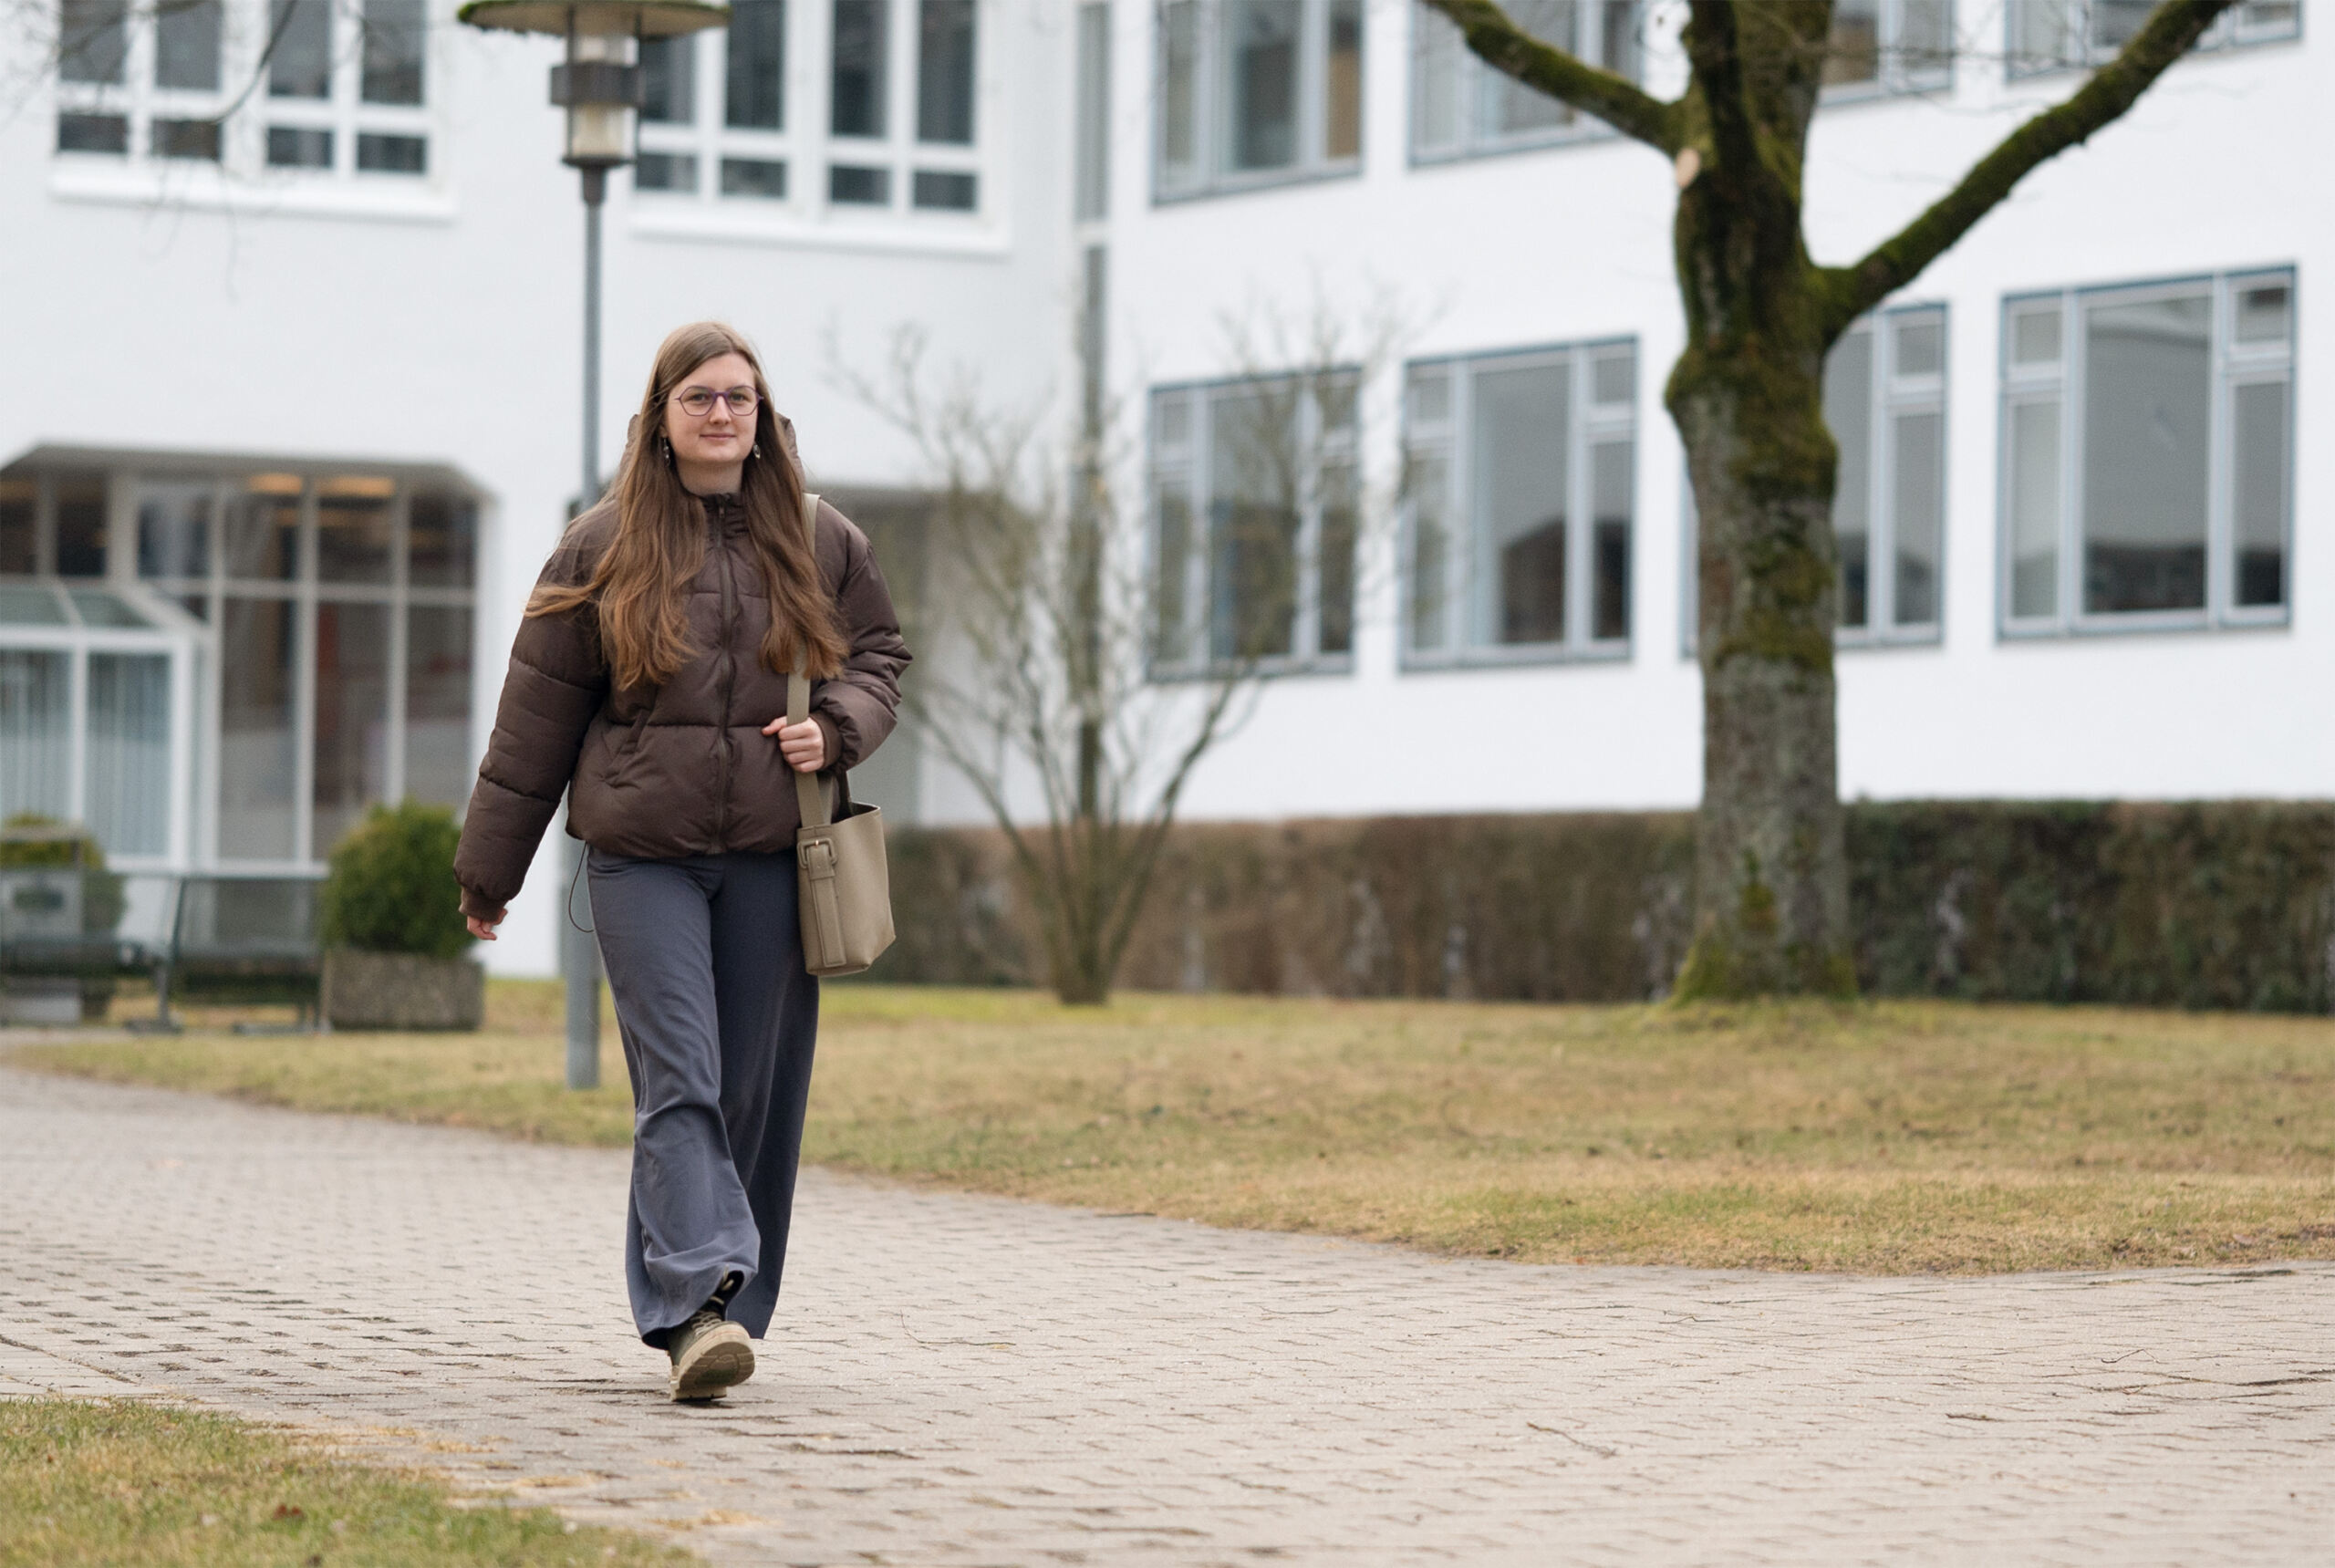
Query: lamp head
[{"x": 599, "y": 82}]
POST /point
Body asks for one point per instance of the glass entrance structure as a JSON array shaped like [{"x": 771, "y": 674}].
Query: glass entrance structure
[
  {"x": 224, "y": 663},
  {"x": 97, "y": 703}
]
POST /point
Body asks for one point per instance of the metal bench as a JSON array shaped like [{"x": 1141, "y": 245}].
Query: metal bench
[
  {"x": 247, "y": 939},
  {"x": 214, "y": 936}
]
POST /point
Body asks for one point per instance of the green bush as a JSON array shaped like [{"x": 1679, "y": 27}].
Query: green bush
[{"x": 393, "y": 888}]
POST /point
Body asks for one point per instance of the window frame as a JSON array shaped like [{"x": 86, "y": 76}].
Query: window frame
[
  {"x": 1588, "y": 428},
  {"x": 140, "y": 101},
  {"x": 2227, "y": 31},
  {"x": 2232, "y": 366},
  {"x": 198, "y": 734},
  {"x": 1891, "y": 78},
  {"x": 343, "y": 113},
  {"x": 1208, "y": 116},
  {"x": 1470, "y": 74},
  {"x": 805, "y": 141},
  {"x": 1912, "y": 398},
  {"x": 77, "y": 641},
  {"x": 1194, "y": 463},
  {"x": 1889, "y": 396}
]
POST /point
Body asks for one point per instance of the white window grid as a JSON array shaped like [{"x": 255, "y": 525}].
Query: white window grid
[
  {"x": 1441, "y": 63},
  {"x": 803, "y": 142},
  {"x": 1211, "y": 173},
  {"x": 2061, "y": 384},
  {"x": 1897, "y": 393},
  {"x": 2045, "y": 36},
  {"x": 1182, "y": 459},
  {"x": 342, "y": 111},
  {"x": 1914, "y": 47},
  {"x": 76, "y": 637},
  {"x": 1893, "y": 394},
  {"x": 140, "y": 103},
  {"x": 244, "y": 29},
  {"x": 1471, "y": 611},
  {"x": 304, "y": 592}
]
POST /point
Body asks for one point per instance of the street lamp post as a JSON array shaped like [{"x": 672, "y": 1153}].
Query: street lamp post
[{"x": 598, "y": 84}]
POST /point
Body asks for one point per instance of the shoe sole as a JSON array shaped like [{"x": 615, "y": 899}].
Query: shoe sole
[{"x": 720, "y": 1360}]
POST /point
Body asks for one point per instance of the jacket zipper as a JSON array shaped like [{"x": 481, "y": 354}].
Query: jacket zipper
[{"x": 729, "y": 685}]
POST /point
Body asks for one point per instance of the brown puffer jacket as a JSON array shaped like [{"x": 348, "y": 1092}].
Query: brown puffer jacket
[{"x": 683, "y": 768}]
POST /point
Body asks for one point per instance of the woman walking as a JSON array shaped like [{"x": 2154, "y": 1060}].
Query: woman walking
[{"x": 648, "y": 681}]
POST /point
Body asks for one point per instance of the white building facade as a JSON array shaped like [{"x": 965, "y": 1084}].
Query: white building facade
[{"x": 293, "y": 316}]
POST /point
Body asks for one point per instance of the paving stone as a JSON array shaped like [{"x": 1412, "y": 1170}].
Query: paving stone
[{"x": 955, "y": 1381}]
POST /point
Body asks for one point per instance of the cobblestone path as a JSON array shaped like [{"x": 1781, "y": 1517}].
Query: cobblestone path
[{"x": 958, "y": 1380}]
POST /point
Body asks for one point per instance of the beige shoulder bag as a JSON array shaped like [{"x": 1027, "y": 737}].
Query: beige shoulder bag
[{"x": 845, "y": 904}]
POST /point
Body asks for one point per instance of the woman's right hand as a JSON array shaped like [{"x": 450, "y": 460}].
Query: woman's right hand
[{"x": 484, "y": 930}]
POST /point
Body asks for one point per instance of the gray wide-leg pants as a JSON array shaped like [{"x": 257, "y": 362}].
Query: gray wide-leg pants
[{"x": 719, "y": 1018}]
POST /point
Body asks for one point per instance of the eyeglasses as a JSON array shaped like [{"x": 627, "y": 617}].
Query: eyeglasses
[{"x": 698, "y": 402}]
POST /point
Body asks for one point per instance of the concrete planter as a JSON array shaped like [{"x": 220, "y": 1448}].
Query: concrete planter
[
  {"x": 403, "y": 991},
  {"x": 41, "y": 1000}
]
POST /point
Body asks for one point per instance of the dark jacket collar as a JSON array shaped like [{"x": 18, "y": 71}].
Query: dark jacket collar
[{"x": 726, "y": 511}]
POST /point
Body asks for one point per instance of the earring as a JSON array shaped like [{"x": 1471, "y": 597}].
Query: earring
[
  {"x": 665, "y": 447},
  {"x": 757, "y": 452}
]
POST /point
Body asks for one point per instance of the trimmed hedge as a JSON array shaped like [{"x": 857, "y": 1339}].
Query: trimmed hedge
[
  {"x": 2210, "y": 905},
  {"x": 2221, "y": 905}
]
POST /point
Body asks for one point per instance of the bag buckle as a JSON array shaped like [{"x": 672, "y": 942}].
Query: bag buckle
[{"x": 816, "y": 856}]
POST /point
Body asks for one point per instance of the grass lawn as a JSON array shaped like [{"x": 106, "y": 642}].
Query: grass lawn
[
  {"x": 119, "y": 1483},
  {"x": 1880, "y": 1136}
]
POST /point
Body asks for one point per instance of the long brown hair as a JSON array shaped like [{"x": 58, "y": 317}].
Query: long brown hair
[{"x": 640, "y": 588}]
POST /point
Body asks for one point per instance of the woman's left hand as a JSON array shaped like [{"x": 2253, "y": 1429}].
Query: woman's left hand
[{"x": 803, "y": 745}]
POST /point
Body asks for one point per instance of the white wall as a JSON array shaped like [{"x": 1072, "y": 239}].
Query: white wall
[{"x": 1572, "y": 242}]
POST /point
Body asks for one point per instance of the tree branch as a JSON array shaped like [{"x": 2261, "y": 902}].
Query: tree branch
[
  {"x": 1513, "y": 52},
  {"x": 2171, "y": 30}
]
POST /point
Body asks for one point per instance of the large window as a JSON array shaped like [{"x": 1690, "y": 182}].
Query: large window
[
  {"x": 305, "y": 88},
  {"x": 345, "y": 87},
  {"x": 1255, "y": 92},
  {"x": 328, "y": 623},
  {"x": 1885, "y": 402},
  {"x": 95, "y": 680},
  {"x": 1460, "y": 107},
  {"x": 894, "y": 125},
  {"x": 1522, "y": 488},
  {"x": 142, "y": 86},
  {"x": 2055, "y": 35},
  {"x": 1256, "y": 502},
  {"x": 93, "y": 688},
  {"x": 1889, "y": 46},
  {"x": 342, "y": 604},
  {"x": 2147, "y": 467}
]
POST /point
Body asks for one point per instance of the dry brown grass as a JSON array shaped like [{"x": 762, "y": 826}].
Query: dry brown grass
[
  {"x": 1879, "y": 1136},
  {"x": 119, "y": 1484}
]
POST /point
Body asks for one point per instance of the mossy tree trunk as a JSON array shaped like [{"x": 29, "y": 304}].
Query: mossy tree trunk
[{"x": 1747, "y": 395}]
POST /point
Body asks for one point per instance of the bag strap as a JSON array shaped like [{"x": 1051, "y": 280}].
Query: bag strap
[{"x": 810, "y": 800}]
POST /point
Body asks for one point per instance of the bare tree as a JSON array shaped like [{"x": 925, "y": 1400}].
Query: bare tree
[
  {"x": 1771, "y": 896},
  {"x": 1075, "y": 701}
]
